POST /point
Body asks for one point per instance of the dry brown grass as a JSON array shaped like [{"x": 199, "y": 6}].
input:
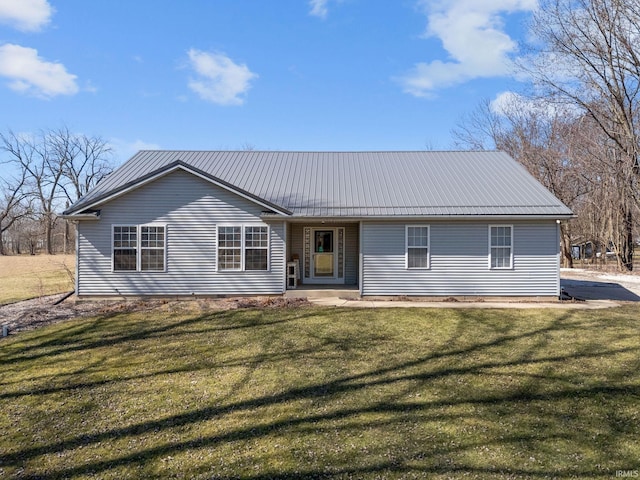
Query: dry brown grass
[
  {"x": 30, "y": 276},
  {"x": 179, "y": 390}
]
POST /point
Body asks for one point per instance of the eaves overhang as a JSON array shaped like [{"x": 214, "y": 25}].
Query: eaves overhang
[
  {"x": 82, "y": 216},
  {"x": 353, "y": 218},
  {"x": 76, "y": 210}
]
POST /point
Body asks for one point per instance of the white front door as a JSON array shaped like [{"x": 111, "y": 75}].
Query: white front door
[{"x": 324, "y": 256}]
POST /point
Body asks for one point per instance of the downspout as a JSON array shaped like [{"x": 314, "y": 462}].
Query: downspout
[
  {"x": 77, "y": 279},
  {"x": 360, "y": 259},
  {"x": 66, "y": 295},
  {"x": 286, "y": 256},
  {"x": 558, "y": 259}
]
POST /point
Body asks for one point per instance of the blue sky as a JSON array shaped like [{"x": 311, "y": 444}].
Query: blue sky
[{"x": 273, "y": 75}]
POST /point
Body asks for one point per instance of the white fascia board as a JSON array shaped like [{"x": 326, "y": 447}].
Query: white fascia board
[
  {"x": 419, "y": 218},
  {"x": 81, "y": 216}
]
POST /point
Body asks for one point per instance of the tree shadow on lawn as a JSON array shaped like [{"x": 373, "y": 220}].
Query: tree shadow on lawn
[
  {"x": 213, "y": 322},
  {"x": 519, "y": 421},
  {"x": 120, "y": 323},
  {"x": 82, "y": 334}
]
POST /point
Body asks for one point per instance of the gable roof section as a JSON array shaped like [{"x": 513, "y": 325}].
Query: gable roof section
[
  {"x": 351, "y": 184},
  {"x": 97, "y": 196}
]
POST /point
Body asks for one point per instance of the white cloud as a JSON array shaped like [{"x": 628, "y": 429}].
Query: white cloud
[
  {"x": 125, "y": 149},
  {"x": 505, "y": 101},
  {"x": 472, "y": 33},
  {"x": 512, "y": 104},
  {"x": 31, "y": 74},
  {"x": 220, "y": 80},
  {"x": 142, "y": 145},
  {"x": 319, "y": 8},
  {"x": 25, "y": 15}
]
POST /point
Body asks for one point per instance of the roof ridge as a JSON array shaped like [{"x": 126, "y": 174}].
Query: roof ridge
[{"x": 317, "y": 151}]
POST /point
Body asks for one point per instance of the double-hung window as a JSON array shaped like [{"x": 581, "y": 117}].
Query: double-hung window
[
  {"x": 243, "y": 248},
  {"x": 230, "y": 248},
  {"x": 152, "y": 248},
  {"x": 500, "y": 246},
  {"x": 256, "y": 246},
  {"x": 139, "y": 248},
  {"x": 125, "y": 247},
  {"x": 417, "y": 246}
]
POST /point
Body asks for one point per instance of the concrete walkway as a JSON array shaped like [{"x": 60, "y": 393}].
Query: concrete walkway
[
  {"x": 591, "y": 289},
  {"x": 343, "y": 302}
]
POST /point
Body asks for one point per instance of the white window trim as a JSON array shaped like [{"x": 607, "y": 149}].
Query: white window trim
[
  {"x": 113, "y": 247},
  {"x": 141, "y": 248},
  {"x": 407, "y": 247},
  {"x": 510, "y": 267},
  {"x": 229, "y": 225},
  {"x": 243, "y": 247},
  {"x": 138, "y": 247}
]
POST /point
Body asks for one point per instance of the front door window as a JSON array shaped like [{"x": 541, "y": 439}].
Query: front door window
[{"x": 323, "y": 256}]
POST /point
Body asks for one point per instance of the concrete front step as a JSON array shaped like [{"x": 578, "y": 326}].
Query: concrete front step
[{"x": 345, "y": 293}]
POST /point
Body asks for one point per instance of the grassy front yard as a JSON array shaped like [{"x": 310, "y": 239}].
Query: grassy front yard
[
  {"x": 31, "y": 276},
  {"x": 179, "y": 391}
]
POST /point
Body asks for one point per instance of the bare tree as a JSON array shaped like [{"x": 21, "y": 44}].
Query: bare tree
[
  {"x": 537, "y": 135},
  {"x": 588, "y": 55},
  {"x": 612, "y": 203},
  {"x": 84, "y": 161},
  {"x": 43, "y": 175},
  {"x": 480, "y": 129},
  {"x": 13, "y": 204},
  {"x": 58, "y": 167}
]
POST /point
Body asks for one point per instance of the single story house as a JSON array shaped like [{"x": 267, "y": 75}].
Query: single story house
[{"x": 425, "y": 223}]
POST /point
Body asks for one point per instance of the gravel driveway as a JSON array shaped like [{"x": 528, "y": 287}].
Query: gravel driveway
[{"x": 597, "y": 285}]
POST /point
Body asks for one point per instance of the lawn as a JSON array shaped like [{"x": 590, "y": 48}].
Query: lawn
[
  {"x": 30, "y": 276},
  {"x": 181, "y": 391}
]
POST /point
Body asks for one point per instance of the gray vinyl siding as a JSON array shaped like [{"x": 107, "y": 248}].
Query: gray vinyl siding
[
  {"x": 352, "y": 245},
  {"x": 459, "y": 261},
  {"x": 296, "y": 243},
  {"x": 191, "y": 209}
]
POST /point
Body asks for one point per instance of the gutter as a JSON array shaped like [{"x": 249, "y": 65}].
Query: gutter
[
  {"x": 93, "y": 216},
  {"x": 337, "y": 219}
]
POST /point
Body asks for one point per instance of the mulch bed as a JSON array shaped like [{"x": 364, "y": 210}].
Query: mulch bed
[{"x": 43, "y": 311}]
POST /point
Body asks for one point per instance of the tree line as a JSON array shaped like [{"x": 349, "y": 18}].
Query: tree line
[
  {"x": 576, "y": 130},
  {"x": 42, "y": 175}
]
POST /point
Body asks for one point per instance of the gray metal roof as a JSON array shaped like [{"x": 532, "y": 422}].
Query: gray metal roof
[{"x": 354, "y": 184}]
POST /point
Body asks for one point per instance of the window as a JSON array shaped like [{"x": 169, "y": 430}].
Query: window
[
  {"x": 324, "y": 241},
  {"x": 256, "y": 244},
  {"x": 243, "y": 248},
  {"x": 151, "y": 248},
  {"x": 139, "y": 248},
  {"x": 500, "y": 246},
  {"x": 417, "y": 239},
  {"x": 125, "y": 243},
  {"x": 230, "y": 248}
]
